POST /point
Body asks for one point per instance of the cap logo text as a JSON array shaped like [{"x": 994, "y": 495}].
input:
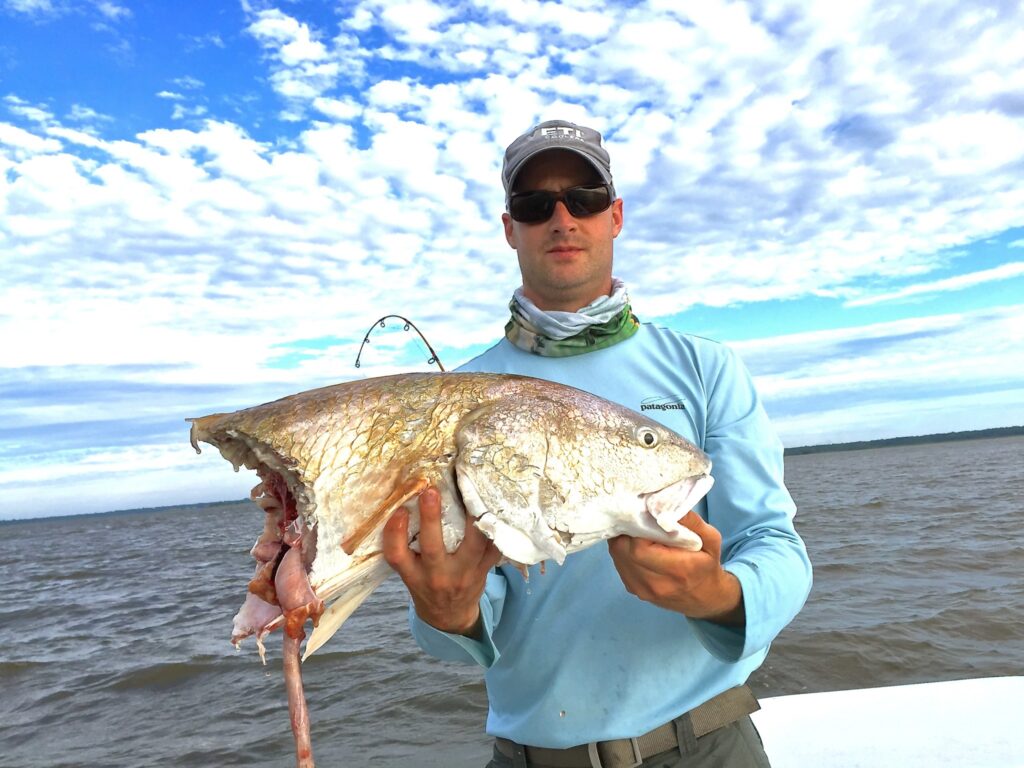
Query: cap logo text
[{"x": 561, "y": 131}]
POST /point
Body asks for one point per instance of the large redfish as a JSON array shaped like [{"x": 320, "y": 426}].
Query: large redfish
[{"x": 542, "y": 469}]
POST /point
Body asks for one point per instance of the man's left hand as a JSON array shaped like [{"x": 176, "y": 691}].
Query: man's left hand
[{"x": 691, "y": 583}]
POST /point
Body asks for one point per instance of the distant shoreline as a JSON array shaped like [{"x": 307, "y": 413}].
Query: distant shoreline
[
  {"x": 942, "y": 437},
  {"x": 977, "y": 434}
]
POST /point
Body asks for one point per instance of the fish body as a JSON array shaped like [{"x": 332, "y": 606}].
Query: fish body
[{"x": 542, "y": 469}]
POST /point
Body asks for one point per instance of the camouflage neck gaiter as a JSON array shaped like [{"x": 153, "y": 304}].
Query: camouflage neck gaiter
[{"x": 602, "y": 323}]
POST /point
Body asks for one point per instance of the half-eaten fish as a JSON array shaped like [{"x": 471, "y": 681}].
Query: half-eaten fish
[{"x": 542, "y": 469}]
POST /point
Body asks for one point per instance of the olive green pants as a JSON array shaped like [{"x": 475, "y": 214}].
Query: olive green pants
[{"x": 737, "y": 745}]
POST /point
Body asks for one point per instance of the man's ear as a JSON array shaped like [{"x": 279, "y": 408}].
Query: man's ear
[
  {"x": 617, "y": 217},
  {"x": 510, "y": 235}
]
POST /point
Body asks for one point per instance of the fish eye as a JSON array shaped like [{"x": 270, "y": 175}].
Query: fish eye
[{"x": 647, "y": 437}]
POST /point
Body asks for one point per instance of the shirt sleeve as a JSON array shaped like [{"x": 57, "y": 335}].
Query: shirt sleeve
[
  {"x": 449, "y": 647},
  {"x": 750, "y": 506}
]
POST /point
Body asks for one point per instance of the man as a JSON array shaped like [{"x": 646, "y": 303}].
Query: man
[{"x": 636, "y": 653}]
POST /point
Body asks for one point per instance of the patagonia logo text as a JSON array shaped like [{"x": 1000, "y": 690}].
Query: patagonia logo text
[{"x": 663, "y": 404}]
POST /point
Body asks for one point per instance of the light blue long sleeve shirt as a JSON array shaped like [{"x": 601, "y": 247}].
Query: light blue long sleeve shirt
[{"x": 570, "y": 657}]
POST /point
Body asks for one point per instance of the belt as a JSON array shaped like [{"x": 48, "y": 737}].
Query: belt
[{"x": 714, "y": 713}]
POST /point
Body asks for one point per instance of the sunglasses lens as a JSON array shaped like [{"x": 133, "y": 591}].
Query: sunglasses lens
[
  {"x": 586, "y": 201},
  {"x": 535, "y": 207},
  {"x": 531, "y": 207}
]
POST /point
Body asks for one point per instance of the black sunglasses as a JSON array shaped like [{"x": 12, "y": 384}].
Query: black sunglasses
[{"x": 535, "y": 207}]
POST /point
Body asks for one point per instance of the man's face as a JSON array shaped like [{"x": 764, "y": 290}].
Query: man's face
[{"x": 566, "y": 262}]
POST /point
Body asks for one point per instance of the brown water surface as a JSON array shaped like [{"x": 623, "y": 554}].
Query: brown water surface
[{"x": 113, "y": 628}]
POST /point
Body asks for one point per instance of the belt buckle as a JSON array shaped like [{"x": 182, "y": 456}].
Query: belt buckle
[{"x": 595, "y": 755}]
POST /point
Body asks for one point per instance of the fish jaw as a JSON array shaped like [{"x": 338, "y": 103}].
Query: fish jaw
[{"x": 671, "y": 503}]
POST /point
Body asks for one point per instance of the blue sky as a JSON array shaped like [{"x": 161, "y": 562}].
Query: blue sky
[{"x": 203, "y": 206}]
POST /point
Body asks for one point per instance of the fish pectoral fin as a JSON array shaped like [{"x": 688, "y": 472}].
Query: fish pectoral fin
[
  {"x": 353, "y": 587},
  {"x": 401, "y": 494}
]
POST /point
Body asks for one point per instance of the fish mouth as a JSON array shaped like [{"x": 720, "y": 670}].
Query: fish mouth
[
  {"x": 279, "y": 592},
  {"x": 670, "y": 504}
]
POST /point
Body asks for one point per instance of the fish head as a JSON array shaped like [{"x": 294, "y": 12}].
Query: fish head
[
  {"x": 650, "y": 474},
  {"x": 552, "y": 471}
]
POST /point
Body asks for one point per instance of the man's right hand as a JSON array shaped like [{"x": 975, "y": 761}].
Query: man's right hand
[{"x": 445, "y": 587}]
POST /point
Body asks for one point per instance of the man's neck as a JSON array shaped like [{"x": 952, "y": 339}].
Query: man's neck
[{"x": 565, "y": 303}]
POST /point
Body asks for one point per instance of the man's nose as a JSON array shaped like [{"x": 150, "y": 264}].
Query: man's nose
[{"x": 561, "y": 219}]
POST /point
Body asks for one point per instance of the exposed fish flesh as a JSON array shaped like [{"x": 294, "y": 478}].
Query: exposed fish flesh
[{"x": 542, "y": 469}]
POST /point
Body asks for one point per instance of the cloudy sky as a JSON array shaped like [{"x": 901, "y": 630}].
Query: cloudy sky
[{"x": 203, "y": 206}]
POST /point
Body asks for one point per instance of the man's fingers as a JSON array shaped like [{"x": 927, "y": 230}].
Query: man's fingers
[
  {"x": 637, "y": 553},
  {"x": 396, "y": 540},
  {"x": 491, "y": 555},
  {"x": 658, "y": 558},
  {"x": 709, "y": 535},
  {"x": 431, "y": 538},
  {"x": 619, "y": 545},
  {"x": 651, "y": 557},
  {"x": 475, "y": 548},
  {"x": 693, "y": 521}
]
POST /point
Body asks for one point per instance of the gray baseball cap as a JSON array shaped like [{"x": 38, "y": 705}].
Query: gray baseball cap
[{"x": 555, "y": 134}]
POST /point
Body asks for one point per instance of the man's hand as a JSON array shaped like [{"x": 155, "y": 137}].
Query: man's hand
[
  {"x": 445, "y": 588},
  {"x": 691, "y": 583}
]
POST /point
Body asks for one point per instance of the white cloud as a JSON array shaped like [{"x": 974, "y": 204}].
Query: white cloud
[
  {"x": 83, "y": 114},
  {"x": 414, "y": 21},
  {"x": 304, "y": 69},
  {"x": 891, "y": 352},
  {"x": 33, "y": 112},
  {"x": 182, "y": 112},
  {"x": 188, "y": 83},
  {"x": 902, "y": 416},
  {"x": 802, "y": 150},
  {"x": 737, "y": 154},
  {"x": 198, "y": 42},
  {"x": 888, "y": 379},
  {"x": 338, "y": 109},
  {"x": 30, "y": 7},
  {"x": 292, "y": 40},
  {"x": 968, "y": 144},
  {"x": 573, "y": 19},
  {"x": 113, "y": 11},
  {"x": 25, "y": 143},
  {"x": 145, "y": 476},
  {"x": 958, "y": 283}
]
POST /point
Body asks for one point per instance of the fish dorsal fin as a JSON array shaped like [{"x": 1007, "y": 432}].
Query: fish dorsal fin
[{"x": 500, "y": 470}]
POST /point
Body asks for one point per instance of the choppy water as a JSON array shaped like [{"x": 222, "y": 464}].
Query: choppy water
[{"x": 113, "y": 628}]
